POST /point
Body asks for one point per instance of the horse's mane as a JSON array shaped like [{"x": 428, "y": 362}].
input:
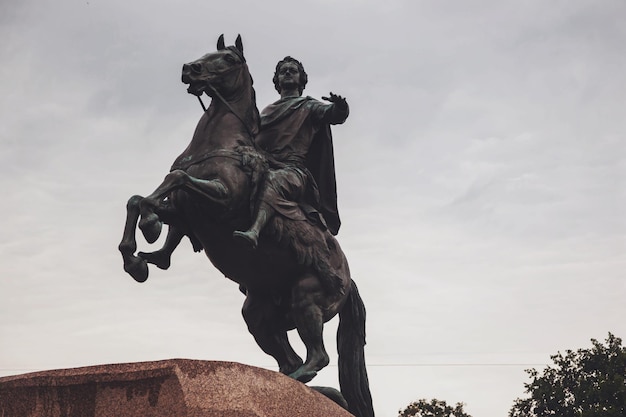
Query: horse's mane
[{"x": 253, "y": 114}]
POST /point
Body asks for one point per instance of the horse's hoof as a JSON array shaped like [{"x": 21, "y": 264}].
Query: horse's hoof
[
  {"x": 332, "y": 394},
  {"x": 158, "y": 258},
  {"x": 150, "y": 226},
  {"x": 303, "y": 376},
  {"x": 289, "y": 369},
  {"x": 136, "y": 268}
]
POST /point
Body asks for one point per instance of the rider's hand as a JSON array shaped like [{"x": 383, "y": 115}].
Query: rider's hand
[{"x": 337, "y": 100}]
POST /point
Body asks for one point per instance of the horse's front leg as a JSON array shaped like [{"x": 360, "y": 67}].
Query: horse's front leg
[
  {"x": 162, "y": 257},
  {"x": 150, "y": 223},
  {"x": 133, "y": 265}
]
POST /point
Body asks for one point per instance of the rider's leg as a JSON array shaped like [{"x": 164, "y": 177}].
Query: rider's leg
[
  {"x": 309, "y": 319},
  {"x": 266, "y": 323},
  {"x": 280, "y": 185},
  {"x": 251, "y": 236}
]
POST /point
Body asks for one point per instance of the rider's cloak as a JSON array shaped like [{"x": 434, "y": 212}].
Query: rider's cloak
[{"x": 296, "y": 131}]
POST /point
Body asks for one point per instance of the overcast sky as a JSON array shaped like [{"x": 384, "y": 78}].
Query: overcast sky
[{"x": 481, "y": 179}]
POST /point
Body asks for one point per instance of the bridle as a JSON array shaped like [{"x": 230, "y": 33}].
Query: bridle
[{"x": 223, "y": 100}]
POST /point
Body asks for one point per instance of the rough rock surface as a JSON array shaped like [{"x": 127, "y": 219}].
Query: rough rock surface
[{"x": 175, "y": 387}]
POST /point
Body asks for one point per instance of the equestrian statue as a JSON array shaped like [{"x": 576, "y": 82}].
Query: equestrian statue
[{"x": 256, "y": 192}]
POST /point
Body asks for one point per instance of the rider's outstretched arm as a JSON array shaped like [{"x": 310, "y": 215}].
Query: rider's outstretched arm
[{"x": 338, "y": 111}]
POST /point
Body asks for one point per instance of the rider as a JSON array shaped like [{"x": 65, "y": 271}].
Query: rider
[{"x": 295, "y": 131}]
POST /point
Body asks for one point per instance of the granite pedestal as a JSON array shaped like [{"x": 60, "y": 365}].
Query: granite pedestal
[{"x": 169, "y": 388}]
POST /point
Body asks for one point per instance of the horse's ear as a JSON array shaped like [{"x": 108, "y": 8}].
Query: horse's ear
[
  {"x": 220, "y": 43},
  {"x": 239, "y": 44}
]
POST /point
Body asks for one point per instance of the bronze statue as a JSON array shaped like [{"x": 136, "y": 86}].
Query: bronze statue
[
  {"x": 295, "y": 131},
  {"x": 297, "y": 277}
]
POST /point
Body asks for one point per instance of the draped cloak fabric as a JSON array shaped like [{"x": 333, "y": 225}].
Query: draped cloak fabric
[{"x": 295, "y": 131}]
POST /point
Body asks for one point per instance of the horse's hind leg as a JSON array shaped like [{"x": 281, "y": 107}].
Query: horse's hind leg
[
  {"x": 135, "y": 266},
  {"x": 309, "y": 319},
  {"x": 267, "y": 324}
]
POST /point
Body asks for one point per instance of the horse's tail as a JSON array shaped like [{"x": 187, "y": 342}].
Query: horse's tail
[{"x": 350, "y": 344}]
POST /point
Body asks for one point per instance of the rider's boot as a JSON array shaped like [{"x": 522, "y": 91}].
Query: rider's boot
[{"x": 251, "y": 236}]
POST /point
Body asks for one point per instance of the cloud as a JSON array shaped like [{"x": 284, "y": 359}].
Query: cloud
[{"x": 480, "y": 173}]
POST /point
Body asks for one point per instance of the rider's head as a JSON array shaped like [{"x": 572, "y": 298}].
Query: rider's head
[{"x": 303, "y": 75}]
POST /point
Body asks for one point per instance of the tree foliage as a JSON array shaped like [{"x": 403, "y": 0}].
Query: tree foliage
[
  {"x": 433, "y": 408},
  {"x": 585, "y": 383}
]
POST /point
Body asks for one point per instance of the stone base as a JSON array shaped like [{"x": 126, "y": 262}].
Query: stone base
[{"x": 170, "y": 388}]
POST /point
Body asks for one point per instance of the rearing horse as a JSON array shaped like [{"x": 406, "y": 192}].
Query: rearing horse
[{"x": 298, "y": 278}]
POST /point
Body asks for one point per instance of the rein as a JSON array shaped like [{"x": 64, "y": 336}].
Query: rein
[
  {"x": 201, "y": 103},
  {"x": 223, "y": 100},
  {"x": 228, "y": 106},
  {"x": 189, "y": 161}
]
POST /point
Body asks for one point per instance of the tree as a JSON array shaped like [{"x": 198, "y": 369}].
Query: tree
[
  {"x": 434, "y": 408},
  {"x": 585, "y": 383}
]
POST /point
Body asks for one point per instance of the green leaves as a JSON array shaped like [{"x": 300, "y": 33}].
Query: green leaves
[
  {"x": 583, "y": 383},
  {"x": 434, "y": 408}
]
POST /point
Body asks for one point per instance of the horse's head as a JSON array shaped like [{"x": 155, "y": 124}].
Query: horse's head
[{"x": 217, "y": 71}]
